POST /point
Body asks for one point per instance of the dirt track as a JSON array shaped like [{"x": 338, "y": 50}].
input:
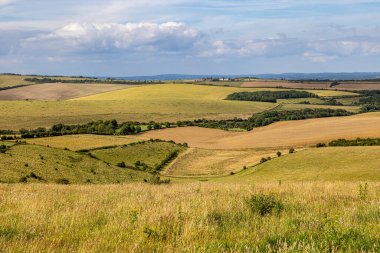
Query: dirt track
[{"x": 281, "y": 134}]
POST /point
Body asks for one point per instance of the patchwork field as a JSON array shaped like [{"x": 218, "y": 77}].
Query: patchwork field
[
  {"x": 80, "y": 142},
  {"x": 57, "y": 91},
  {"x": 280, "y": 134},
  {"x": 319, "y": 164},
  {"x": 314, "y": 85},
  {"x": 168, "y": 102},
  {"x": 32, "y": 163}
]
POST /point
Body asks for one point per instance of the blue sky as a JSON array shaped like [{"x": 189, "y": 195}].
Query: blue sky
[{"x": 142, "y": 37}]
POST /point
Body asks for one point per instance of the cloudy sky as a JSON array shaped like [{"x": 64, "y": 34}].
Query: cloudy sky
[{"x": 145, "y": 37}]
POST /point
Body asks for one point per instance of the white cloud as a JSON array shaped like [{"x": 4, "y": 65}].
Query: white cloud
[{"x": 165, "y": 37}]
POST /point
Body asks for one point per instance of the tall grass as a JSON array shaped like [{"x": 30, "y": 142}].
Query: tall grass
[{"x": 195, "y": 217}]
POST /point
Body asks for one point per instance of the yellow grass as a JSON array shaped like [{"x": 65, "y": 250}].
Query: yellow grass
[
  {"x": 280, "y": 134},
  {"x": 79, "y": 142},
  {"x": 12, "y": 80},
  {"x": 206, "y": 162},
  {"x": 197, "y": 217}
]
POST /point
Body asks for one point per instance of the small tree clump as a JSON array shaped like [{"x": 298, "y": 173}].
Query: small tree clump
[
  {"x": 291, "y": 150},
  {"x": 279, "y": 153}
]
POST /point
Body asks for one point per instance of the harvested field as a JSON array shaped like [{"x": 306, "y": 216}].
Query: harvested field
[
  {"x": 206, "y": 162},
  {"x": 58, "y": 91},
  {"x": 79, "y": 142},
  {"x": 280, "y": 134},
  {"x": 314, "y": 85}
]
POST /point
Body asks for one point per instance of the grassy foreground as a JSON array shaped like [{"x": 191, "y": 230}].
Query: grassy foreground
[{"x": 196, "y": 217}]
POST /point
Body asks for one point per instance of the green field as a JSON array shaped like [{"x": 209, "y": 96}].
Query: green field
[
  {"x": 82, "y": 141},
  {"x": 150, "y": 153},
  {"x": 319, "y": 164},
  {"x": 52, "y": 165}
]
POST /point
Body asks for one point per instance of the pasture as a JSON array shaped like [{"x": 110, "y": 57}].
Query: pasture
[
  {"x": 319, "y": 164},
  {"x": 280, "y": 134},
  {"x": 32, "y": 163},
  {"x": 148, "y": 153}
]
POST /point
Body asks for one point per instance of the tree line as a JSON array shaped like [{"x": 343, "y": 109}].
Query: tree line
[
  {"x": 88, "y": 80},
  {"x": 266, "y": 118},
  {"x": 356, "y": 142},
  {"x": 269, "y": 96}
]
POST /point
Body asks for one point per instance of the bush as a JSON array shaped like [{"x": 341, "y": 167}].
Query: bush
[
  {"x": 265, "y": 204},
  {"x": 121, "y": 165},
  {"x": 291, "y": 150},
  {"x": 279, "y": 153},
  {"x": 320, "y": 145},
  {"x": 157, "y": 180},
  {"x": 63, "y": 181}
]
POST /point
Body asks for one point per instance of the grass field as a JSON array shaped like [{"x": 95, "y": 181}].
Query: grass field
[
  {"x": 57, "y": 91},
  {"x": 80, "y": 142},
  {"x": 195, "y": 217},
  {"x": 319, "y": 164},
  {"x": 150, "y": 153},
  {"x": 206, "y": 162},
  {"x": 280, "y": 134},
  {"x": 56, "y": 164},
  {"x": 12, "y": 80}
]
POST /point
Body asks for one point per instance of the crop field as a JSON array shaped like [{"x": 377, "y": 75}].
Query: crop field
[
  {"x": 192, "y": 217},
  {"x": 149, "y": 153},
  {"x": 319, "y": 164},
  {"x": 82, "y": 141},
  {"x": 280, "y": 134},
  {"x": 34, "y": 163},
  {"x": 57, "y": 91},
  {"x": 350, "y": 86},
  {"x": 11, "y": 80},
  {"x": 207, "y": 162}
]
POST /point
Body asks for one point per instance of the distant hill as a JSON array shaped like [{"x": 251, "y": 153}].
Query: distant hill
[{"x": 288, "y": 76}]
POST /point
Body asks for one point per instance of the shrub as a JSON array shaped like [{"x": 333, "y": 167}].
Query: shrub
[
  {"x": 121, "y": 165},
  {"x": 63, "y": 181},
  {"x": 23, "y": 179},
  {"x": 157, "y": 180},
  {"x": 279, "y": 153},
  {"x": 291, "y": 150},
  {"x": 320, "y": 145},
  {"x": 265, "y": 204},
  {"x": 263, "y": 160}
]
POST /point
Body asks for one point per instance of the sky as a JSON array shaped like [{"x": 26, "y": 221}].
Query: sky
[{"x": 150, "y": 37}]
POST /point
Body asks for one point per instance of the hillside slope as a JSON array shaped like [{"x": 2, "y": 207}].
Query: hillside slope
[{"x": 34, "y": 163}]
